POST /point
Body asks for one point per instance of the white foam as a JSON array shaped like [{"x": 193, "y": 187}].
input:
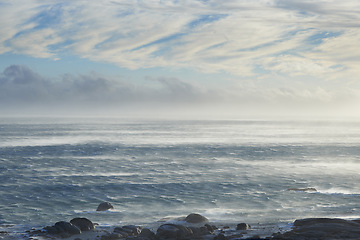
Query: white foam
[{"x": 338, "y": 191}]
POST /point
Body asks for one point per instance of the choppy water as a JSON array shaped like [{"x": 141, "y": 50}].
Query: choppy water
[{"x": 229, "y": 171}]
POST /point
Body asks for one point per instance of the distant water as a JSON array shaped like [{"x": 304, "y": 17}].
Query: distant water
[{"x": 228, "y": 171}]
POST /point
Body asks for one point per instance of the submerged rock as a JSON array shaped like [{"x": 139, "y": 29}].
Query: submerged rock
[
  {"x": 104, "y": 206},
  {"x": 302, "y": 189},
  {"x": 196, "y": 218}
]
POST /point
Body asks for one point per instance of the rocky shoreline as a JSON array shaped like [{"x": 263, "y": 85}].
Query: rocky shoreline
[{"x": 195, "y": 226}]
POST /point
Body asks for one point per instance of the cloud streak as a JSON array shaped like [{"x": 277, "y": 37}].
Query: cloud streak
[{"x": 238, "y": 36}]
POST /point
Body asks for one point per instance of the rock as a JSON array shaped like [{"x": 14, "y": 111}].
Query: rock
[
  {"x": 322, "y": 228},
  {"x": 243, "y": 226},
  {"x": 302, "y": 189},
  {"x": 173, "y": 231},
  {"x": 129, "y": 230},
  {"x": 205, "y": 231},
  {"x": 123, "y": 232},
  {"x": 220, "y": 236},
  {"x": 200, "y": 231},
  {"x": 210, "y": 228},
  {"x": 52, "y": 230},
  {"x": 147, "y": 233},
  {"x": 313, "y": 221},
  {"x": 83, "y": 224},
  {"x": 134, "y": 230},
  {"x": 195, "y": 218},
  {"x": 112, "y": 236},
  {"x": 66, "y": 228},
  {"x": 104, "y": 206}
]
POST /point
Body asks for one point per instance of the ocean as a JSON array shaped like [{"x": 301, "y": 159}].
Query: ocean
[{"x": 229, "y": 171}]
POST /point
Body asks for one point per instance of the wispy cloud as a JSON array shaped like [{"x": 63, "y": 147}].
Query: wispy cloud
[{"x": 237, "y": 36}]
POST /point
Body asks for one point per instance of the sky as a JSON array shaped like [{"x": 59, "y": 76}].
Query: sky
[{"x": 201, "y": 58}]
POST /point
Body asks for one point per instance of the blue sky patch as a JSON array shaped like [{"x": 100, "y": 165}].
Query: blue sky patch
[
  {"x": 203, "y": 19},
  {"x": 49, "y": 16},
  {"x": 318, "y": 38}
]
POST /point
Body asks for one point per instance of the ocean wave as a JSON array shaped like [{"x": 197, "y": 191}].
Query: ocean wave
[{"x": 338, "y": 191}]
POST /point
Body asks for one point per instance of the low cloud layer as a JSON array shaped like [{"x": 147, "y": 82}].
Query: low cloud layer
[{"x": 23, "y": 91}]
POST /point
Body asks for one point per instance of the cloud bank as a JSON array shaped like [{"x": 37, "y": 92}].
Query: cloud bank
[
  {"x": 24, "y": 92},
  {"x": 240, "y": 37}
]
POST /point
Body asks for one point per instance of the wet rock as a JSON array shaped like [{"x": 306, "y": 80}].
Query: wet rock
[
  {"x": 104, "y": 206},
  {"x": 220, "y": 236},
  {"x": 112, "y": 236},
  {"x": 314, "y": 221},
  {"x": 134, "y": 230},
  {"x": 243, "y": 226},
  {"x": 200, "y": 231},
  {"x": 83, "y": 224},
  {"x": 128, "y": 230},
  {"x": 67, "y": 227},
  {"x": 123, "y": 232},
  {"x": 147, "y": 233},
  {"x": 322, "y": 228},
  {"x": 196, "y": 218},
  {"x": 173, "y": 231},
  {"x": 62, "y": 228},
  {"x": 52, "y": 230},
  {"x": 211, "y": 228}
]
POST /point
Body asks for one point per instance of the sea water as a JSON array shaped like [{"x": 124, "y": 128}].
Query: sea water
[{"x": 230, "y": 171}]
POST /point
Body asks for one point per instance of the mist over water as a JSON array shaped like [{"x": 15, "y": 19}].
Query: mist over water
[{"x": 229, "y": 171}]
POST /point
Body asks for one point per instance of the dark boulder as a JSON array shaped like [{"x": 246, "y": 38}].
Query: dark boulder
[
  {"x": 200, "y": 231},
  {"x": 128, "y": 230},
  {"x": 134, "y": 230},
  {"x": 211, "y": 228},
  {"x": 147, "y": 234},
  {"x": 173, "y": 231},
  {"x": 52, "y": 230},
  {"x": 123, "y": 232},
  {"x": 83, "y": 224},
  {"x": 314, "y": 221},
  {"x": 196, "y": 218},
  {"x": 220, "y": 236},
  {"x": 68, "y": 228},
  {"x": 104, "y": 206},
  {"x": 322, "y": 228},
  {"x": 112, "y": 236},
  {"x": 243, "y": 226}
]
